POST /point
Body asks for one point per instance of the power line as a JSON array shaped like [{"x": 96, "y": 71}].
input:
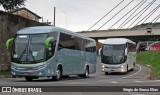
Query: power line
[
  {"x": 123, "y": 24},
  {"x": 126, "y": 14},
  {"x": 153, "y": 12},
  {"x": 116, "y": 14},
  {"x": 149, "y": 15},
  {"x": 141, "y": 15},
  {"x": 154, "y": 20},
  {"x": 131, "y": 14},
  {"x": 157, "y": 18},
  {"x": 105, "y": 15}
]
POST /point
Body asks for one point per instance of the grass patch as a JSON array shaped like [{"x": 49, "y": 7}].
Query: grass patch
[
  {"x": 151, "y": 58},
  {"x": 3, "y": 73}
]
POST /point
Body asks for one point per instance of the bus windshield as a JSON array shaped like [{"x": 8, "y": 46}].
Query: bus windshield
[
  {"x": 29, "y": 48},
  {"x": 113, "y": 54}
]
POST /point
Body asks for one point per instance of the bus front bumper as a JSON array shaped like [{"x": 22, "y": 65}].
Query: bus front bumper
[
  {"x": 113, "y": 69},
  {"x": 31, "y": 71},
  {"x": 39, "y": 73}
]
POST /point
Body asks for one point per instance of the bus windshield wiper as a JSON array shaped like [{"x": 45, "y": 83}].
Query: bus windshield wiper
[
  {"x": 22, "y": 53},
  {"x": 108, "y": 59},
  {"x": 30, "y": 51},
  {"x": 115, "y": 58}
]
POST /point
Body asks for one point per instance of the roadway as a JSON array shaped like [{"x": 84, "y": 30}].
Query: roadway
[{"x": 132, "y": 78}]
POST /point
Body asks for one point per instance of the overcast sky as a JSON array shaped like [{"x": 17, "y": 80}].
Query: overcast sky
[{"x": 79, "y": 15}]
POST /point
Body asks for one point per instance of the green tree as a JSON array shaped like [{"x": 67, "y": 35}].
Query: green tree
[{"x": 11, "y": 4}]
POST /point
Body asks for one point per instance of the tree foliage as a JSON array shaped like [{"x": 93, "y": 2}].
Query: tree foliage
[{"x": 11, "y": 4}]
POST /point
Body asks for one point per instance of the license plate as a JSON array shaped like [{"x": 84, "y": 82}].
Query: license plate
[
  {"x": 26, "y": 73},
  {"x": 112, "y": 70}
]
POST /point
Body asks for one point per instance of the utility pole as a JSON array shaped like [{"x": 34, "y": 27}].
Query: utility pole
[{"x": 54, "y": 16}]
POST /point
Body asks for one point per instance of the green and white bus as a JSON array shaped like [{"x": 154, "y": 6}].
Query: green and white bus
[
  {"x": 118, "y": 55},
  {"x": 47, "y": 51}
]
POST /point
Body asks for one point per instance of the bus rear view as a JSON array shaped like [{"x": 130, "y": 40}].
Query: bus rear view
[{"x": 118, "y": 55}]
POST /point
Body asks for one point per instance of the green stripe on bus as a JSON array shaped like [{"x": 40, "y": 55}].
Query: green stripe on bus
[{"x": 70, "y": 59}]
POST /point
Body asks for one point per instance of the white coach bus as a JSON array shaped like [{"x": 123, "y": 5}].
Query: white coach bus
[{"x": 118, "y": 55}]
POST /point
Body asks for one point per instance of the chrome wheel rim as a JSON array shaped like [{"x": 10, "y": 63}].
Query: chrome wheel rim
[
  {"x": 87, "y": 73},
  {"x": 58, "y": 74}
]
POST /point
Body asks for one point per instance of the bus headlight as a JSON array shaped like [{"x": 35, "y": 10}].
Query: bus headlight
[
  {"x": 40, "y": 73},
  {"x": 103, "y": 66},
  {"x": 122, "y": 66},
  {"x": 122, "y": 70},
  {"x": 13, "y": 73}
]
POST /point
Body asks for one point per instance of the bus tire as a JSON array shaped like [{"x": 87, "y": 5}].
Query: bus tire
[
  {"x": 29, "y": 78},
  {"x": 133, "y": 67},
  {"x": 13, "y": 76},
  {"x": 126, "y": 70},
  {"x": 58, "y": 74},
  {"x": 65, "y": 76},
  {"x": 86, "y": 75},
  {"x": 106, "y": 73}
]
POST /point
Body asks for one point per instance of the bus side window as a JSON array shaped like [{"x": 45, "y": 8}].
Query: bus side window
[
  {"x": 66, "y": 41},
  {"x": 131, "y": 47}
]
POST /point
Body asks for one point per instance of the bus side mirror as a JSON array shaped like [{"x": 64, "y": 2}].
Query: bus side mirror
[
  {"x": 100, "y": 51},
  {"x": 126, "y": 52},
  {"x": 101, "y": 54},
  {"x": 47, "y": 41},
  {"x": 8, "y": 43}
]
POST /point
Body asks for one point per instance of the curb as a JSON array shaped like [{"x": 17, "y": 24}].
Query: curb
[{"x": 147, "y": 76}]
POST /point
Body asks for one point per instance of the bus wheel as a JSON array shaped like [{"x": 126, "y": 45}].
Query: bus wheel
[
  {"x": 66, "y": 76},
  {"x": 58, "y": 74},
  {"x": 126, "y": 70},
  {"x": 29, "y": 78},
  {"x": 86, "y": 75},
  {"x": 106, "y": 73},
  {"x": 133, "y": 67},
  {"x": 13, "y": 76}
]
